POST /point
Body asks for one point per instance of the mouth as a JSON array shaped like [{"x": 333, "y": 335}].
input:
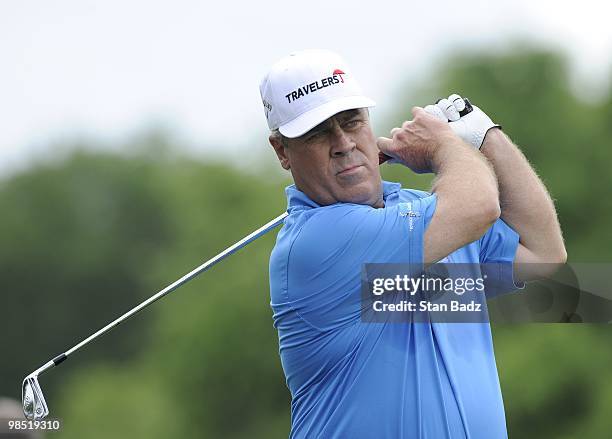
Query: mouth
[{"x": 350, "y": 170}]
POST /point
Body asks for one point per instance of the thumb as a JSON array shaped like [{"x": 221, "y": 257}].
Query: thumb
[{"x": 384, "y": 143}]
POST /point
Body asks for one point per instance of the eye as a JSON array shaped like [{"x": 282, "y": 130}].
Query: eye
[
  {"x": 314, "y": 136},
  {"x": 353, "y": 123}
]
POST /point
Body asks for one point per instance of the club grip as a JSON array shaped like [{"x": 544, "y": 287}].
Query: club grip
[{"x": 468, "y": 108}]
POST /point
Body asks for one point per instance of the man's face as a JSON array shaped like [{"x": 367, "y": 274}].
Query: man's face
[{"x": 336, "y": 161}]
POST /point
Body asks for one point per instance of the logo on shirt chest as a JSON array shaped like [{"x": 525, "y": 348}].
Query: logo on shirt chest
[{"x": 405, "y": 209}]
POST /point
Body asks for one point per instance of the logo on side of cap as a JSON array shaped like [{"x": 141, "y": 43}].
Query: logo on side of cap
[
  {"x": 267, "y": 107},
  {"x": 313, "y": 87}
]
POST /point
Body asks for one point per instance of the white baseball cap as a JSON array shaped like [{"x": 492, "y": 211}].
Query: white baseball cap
[{"x": 305, "y": 88}]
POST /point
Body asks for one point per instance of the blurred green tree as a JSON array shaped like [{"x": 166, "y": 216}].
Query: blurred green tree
[{"x": 77, "y": 239}]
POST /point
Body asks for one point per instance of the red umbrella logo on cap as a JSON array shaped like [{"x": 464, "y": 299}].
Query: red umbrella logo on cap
[{"x": 339, "y": 73}]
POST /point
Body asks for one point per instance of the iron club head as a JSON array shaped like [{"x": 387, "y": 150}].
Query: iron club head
[{"x": 34, "y": 404}]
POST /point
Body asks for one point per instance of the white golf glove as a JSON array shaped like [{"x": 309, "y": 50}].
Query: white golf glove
[{"x": 468, "y": 121}]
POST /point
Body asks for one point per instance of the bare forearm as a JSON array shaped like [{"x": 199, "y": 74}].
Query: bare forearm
[
  {"x": 467, "y": 201},
  {"x": 525, "y": 203},
  {"x": 465, "y": 184}
]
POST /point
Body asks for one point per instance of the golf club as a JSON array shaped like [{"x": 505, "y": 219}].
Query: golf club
[{"x": 34, "y": 404}]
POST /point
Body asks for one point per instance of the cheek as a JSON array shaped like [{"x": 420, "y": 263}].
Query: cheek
[
  {"x": 313, "y": 164},
  {"x": 369, "y": 147}
]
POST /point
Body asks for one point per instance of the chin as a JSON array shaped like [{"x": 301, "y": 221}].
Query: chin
[{"x": 365, "y": 193}]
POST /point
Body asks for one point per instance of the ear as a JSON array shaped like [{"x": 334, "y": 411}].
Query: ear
[{"x": 279, "y": 149}]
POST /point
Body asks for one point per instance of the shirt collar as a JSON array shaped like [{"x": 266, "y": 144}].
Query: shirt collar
[{"x": 298, "y": 200}]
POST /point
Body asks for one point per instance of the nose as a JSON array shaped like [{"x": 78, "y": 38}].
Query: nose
[{"x": 341, "y": 143}]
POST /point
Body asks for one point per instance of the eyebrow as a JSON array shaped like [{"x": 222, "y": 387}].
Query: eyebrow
[{"x": 348, "y": 114}]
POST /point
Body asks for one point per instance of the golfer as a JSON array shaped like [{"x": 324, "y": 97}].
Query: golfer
[{"x": 353, "y": 379}]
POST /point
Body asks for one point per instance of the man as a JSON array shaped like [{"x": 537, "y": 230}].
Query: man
[{"x": 353, "y": 379}]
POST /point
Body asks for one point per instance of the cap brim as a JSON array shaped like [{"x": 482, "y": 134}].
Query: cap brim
[{"x": 310, "y": 119}]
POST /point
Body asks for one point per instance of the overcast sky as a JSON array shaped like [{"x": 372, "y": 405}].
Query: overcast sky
[{"x": 109, "y": 69}]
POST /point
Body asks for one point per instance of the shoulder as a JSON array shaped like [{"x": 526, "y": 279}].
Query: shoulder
[
  {"x": 322, "y": 224},
  {"x": 413, "y": 194},
  {"x": 335, "y": 234},
  {"x": 331, "y": 226},
  {"x": 312, "y": 241}
]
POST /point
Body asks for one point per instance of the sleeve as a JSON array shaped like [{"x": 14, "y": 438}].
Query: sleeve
[
  {"x": 327, "y": 256},
  {"x": 499, "y": 243},
  {"x": 497, "y": 251}
]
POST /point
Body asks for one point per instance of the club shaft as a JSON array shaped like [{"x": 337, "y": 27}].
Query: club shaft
[{"x": 173, "y": 286}]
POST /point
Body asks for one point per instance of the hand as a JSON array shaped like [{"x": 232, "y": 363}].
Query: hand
[
  {"x": 416, "y": 142},
  {"x": 472, "y": 126}
]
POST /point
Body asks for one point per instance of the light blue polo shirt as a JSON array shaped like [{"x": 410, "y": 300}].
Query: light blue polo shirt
[{"x": 353, "y": 379}]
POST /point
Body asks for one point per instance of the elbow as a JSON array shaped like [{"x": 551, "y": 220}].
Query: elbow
[
  {"x": 479, "y": 217},
  {"x": 552, "y": 252},
  {"x": 547, "y": 265},
  {"x": 559, "y": 256},
  {"x": 485, "y": 214},
  {"x": 492, "y": 211},
  {"x": 547, "y": 262}
]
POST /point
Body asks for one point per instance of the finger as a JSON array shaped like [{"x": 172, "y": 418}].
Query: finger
[
  {"x": 406, "y": 124},
  {"x": 448, "y": 109},
  {"x": 395, "y": 130},
  {"x": 435, "y": 111},
  {"x": 384, "y": 143},
  {"x": 457, "y": 101}
]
